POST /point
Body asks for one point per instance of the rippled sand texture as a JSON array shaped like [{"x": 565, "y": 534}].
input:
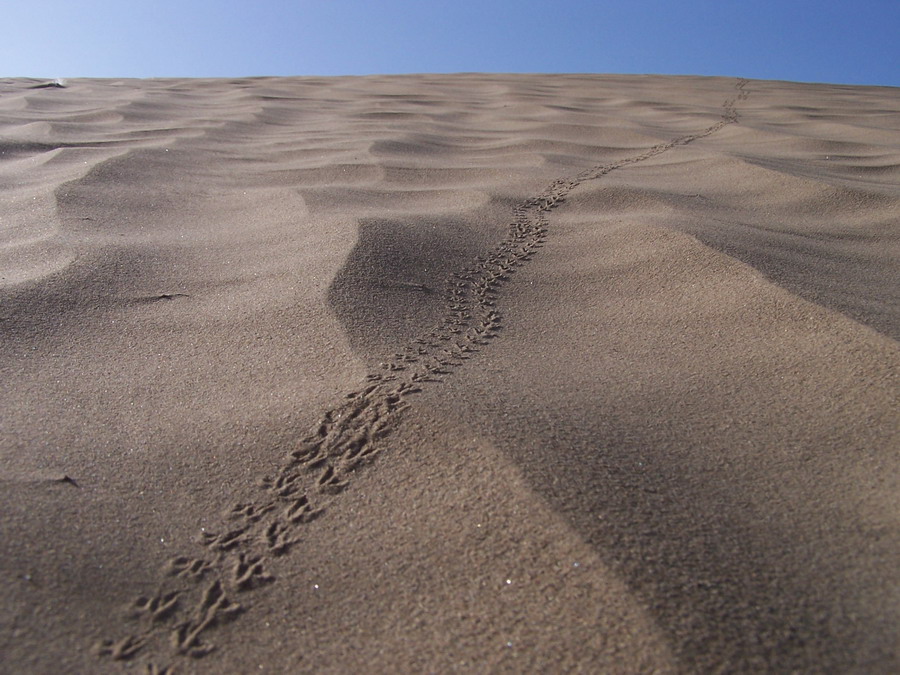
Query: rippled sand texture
[{"x": 458, "y": 372}]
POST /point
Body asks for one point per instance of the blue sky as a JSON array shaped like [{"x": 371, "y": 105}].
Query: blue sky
[{"x": 823, "y": 41}]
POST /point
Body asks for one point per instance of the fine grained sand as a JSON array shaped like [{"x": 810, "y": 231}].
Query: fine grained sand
[{"x": 457, "y": 372}]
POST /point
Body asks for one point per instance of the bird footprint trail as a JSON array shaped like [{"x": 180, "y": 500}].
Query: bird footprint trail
[{"x": 204, "y": 592}]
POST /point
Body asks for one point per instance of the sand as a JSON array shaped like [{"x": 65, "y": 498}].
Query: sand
[{"x": 475, "y": 373}]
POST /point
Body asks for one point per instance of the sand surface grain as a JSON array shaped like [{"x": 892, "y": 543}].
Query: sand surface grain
[{"x": 449, "y": 372}]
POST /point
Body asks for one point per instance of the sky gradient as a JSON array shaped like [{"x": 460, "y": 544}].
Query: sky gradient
[{"x": 800, "y": 40}]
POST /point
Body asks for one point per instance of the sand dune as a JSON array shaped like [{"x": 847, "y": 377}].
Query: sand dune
[{"x": 449, "y": 373}]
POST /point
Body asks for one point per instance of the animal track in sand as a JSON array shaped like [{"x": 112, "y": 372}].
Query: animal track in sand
[
  {"x": 157, "y": 608},
  {"x": 321, "y": 464},
  {"x": 183, "y": 566},
  {"x": 214, "y": 607}
]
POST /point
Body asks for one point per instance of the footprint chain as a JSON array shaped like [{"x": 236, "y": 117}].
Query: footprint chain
[{"x": 199, "y": 593}]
